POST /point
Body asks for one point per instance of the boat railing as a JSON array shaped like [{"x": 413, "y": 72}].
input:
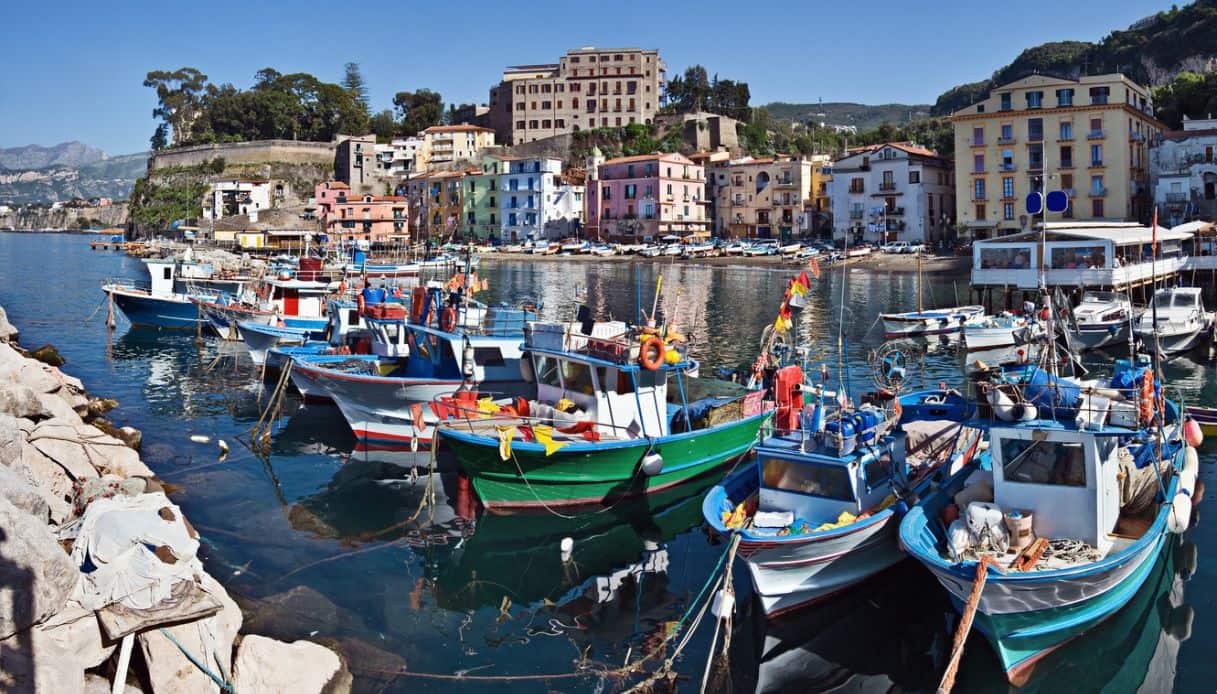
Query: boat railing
[
  {"x": 471, "y": 416},
  {"x": 130, "y": 284}
]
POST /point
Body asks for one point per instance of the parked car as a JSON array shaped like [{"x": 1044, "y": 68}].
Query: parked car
[
  {"x": 917, "y": 247},
  {"x": 895, "y": 247}
]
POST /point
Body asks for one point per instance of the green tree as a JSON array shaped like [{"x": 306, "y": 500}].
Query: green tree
[
  {"x": 352, "y": 81},
  {"x": 178, "y": 98},
  {"x": 160, "y": 137},
  {"x": 1189, "y": 94},
  {"x": 384, "y": 124},
  {"x": 418, "y": 110}
]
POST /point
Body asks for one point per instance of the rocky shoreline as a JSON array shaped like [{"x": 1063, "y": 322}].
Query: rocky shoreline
[{"x": 101, "y": 581}]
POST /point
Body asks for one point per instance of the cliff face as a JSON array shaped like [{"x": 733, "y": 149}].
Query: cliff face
[
  {"x": 111, "y": 178},
  {"x": 45, "y": 219},
  {"x": 69, "y": 154}
]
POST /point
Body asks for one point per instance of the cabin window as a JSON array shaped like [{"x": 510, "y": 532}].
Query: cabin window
[
  {"x": 1044, "y": 462},
  {"x": 488, "y": 356},
  {"x": 828, "y": 481},
  {"x": 547, "y": 372},
  {"x": 578, "y": 377},
  {"x": 878, "y": 471},
  {"x": 168, "y": 273},
  {"x": 625, "y": 382},
  {"x": 392, "y": 332}
]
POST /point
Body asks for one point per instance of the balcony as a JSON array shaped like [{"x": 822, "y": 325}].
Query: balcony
[
  {"x": 1035, "y": 166},
  {"x": 1066, "y": 164},
  {"x": 1097, "y": 192},
  {"x": 1096, "y": 163},
  {"x": 894, "y": 211},
  {"x": 856, "y": 190},
  {"x": 1136, "y": 137},
  {"x": 1008, "y": 167},
  {"x": 1177, "y": 198},
  {"x": 1035, "y": 137},
  {"x": 1007, "y": 140},
  {"x": 891, "y": 185},
  {"x": 785, "y": 182},
  {"x": 979, "y": 198},
  {"x": 1096, "y": 135}
]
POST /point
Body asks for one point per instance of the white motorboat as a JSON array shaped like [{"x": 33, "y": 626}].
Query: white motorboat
[
  {"x": 791, "y": 248},
  {"x": 603, "y": 251},
  {"x": 1175, "y": 321},
  {"x": 1003, "y": 330},
  {"x": 674, "y": 249},
  {"x": 650, "y": 251},
  {"x": 1101, "y": 319}
]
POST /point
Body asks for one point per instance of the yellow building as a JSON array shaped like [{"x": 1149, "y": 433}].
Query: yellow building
[
  {"x": 818, "y": 214},
  {"x": 1090, "y": 137},
  {"x": 446, "y": 146}
]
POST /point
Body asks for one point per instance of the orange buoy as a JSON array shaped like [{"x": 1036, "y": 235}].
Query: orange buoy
[
  {"x": 652, "y": 353},
  {"x": 1192, "y": 433}
]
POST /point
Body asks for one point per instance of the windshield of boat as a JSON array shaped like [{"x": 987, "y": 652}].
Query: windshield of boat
[
  {"x": 1044, "y": 462},
  {"x": 1185, "y": 300},
  {"x": 1101, "y": 297},
  {"x": 828, "y": 481}
]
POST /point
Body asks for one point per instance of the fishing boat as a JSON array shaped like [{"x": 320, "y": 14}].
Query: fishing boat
[
  {"x": 700, "y": 250},
  {"x": 603, "y": 251},
  {"x": 1206, "y": 417},
  {"x": 818, "y": 511},
  {"x": 922, "y": 322},
  {"x": 612, "y": 414},
  {"x": 1175, "y": 321},
  {"x": 385, "y": 398},
  {"x": 574, "y": 246},
  {"x": 166, "y": 300},
  {"x": 1101, "y": 319},
  {"x": 1057, "y": 525},
  {"x": 1005, "y": 330}
]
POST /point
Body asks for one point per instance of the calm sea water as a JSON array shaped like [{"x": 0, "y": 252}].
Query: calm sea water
[{"x": 320, "y": 541}]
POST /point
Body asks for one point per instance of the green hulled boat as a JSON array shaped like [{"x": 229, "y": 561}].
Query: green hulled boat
[{"x": 602, "y": 425}]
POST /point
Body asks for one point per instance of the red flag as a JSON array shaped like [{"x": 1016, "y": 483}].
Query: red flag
[
  {"x": 803, "y": 279},
  {"x": 815, "y": 268}
]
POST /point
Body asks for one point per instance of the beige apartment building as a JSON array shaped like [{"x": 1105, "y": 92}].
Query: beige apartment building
[
  {"x": 446, "y": 146},
  {"x": 588, "y": 88},
  {"x": 762, "y": 198},
  {"x": 1089, "y": 136}
]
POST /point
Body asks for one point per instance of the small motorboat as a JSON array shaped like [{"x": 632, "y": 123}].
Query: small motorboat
[
  {"x": 1101, "y": 319},
  {"x": 1005, "y": 330},
  {"x": 1175, "y": 321},
  {"x": 932, "y": 322},
  {"x": 1206, "y": 417}
]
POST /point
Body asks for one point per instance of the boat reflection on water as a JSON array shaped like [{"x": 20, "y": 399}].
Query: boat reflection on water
[
  {"x": 618, "y": 550},
  {"x": 894, "y": 632}
]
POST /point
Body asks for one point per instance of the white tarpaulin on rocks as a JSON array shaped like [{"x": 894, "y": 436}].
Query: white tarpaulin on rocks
[{"x": 132, "y": 549}]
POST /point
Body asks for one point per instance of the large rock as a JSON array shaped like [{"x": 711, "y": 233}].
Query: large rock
[
  {"x": 16, "y": 368},
  {"x": 58, "y": 408},
  {"x": 49, "y": 478},
  {"x": 47, "y": 354},
  {"x": 78, "y": 445},
  {"x": 11, "y": 438},
  {"x": 96, "y": 684},
  {"x": 7, "y": 332},
  {"x": 274, "y": 667},
  {"x": 170, "y": 671},
  {"x": 37, "y": 575},
  {"x": 21, "y": 401},
  {"x": 20, "y": 493},
  {"x": 59, "y": 442},
  {"x": 77, "y": 630},
  {"x": 37, "y": 661}
]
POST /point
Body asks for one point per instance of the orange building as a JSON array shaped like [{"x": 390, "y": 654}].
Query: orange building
[{"x": 371, "y": 218}]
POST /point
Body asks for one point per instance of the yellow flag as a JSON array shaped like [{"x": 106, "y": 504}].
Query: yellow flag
[
  {"x": 564, "y": 405},
  {"x": 782, "y": 324},
  {"x": 486, "y": 406},
  {"x": 797, "y": 288},
  {"x": 506, "y": 434},
  {"x": 545, "y": 437}
]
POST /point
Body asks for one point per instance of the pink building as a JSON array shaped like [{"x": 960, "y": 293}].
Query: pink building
[
  {"x": 371, "y": 218},
  {"x": 326, "y": 194},
  {"x": 645, "y": 197}
]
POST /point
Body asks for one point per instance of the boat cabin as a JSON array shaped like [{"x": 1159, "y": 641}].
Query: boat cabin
[
  {"x": 429, "y": 352},
  {"x": 819, "y": 486},
  {"x": 298, "y": 298},
  {"x": 1065, "y": 477}
]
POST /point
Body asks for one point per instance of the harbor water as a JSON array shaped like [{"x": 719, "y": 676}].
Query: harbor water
[{"x": 324, "y": 541}]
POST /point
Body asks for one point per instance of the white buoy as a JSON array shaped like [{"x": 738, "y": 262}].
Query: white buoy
[
  {"x": 568, "y": 547},
  {"x": 1191, "y": 461},
  {"x": 1187, "y": 482},
  {"x": 652, "y": 464},
  {"x": 724, "y": 603},
  {"x": 1181, "y": 514},
  {"x": 223, "y": 447},
  {"x": 199, "y": 438}
]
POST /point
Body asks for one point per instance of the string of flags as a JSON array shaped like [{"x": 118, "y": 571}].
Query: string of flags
[
  {"x": 472, "y": 283},
  {"x": 797, "y": 288}
]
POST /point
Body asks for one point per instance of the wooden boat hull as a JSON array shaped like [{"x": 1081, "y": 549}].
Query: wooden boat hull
[{"x": 583, "y": 474}]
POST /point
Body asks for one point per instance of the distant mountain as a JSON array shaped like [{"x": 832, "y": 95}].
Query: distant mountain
[
  {"x": 109, "y": 177},
  {"x": 862, "y": 116},
  {"x": 1151, "y": 51},
  {"x": 70, "y": 154}
]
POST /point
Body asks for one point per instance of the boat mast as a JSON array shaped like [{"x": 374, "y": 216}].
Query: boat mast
[{"x": 920, "y": 304}]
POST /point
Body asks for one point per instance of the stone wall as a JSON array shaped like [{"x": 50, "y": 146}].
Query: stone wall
[
  {"x": 256, "y": 152},
  {"x": 557, "y": 147}
]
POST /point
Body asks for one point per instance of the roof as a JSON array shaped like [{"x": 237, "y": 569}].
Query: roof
[
  {"x": 336, "y": 185},
  {"x": 1179, "y": 135},
  {"x": 1119, "y": 233},
  {"x": 1194, "y": 227},
  {"x": 648, "y": 157},
  {"x": 463, "y": 128}
]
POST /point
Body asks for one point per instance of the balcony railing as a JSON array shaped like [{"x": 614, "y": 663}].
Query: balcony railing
[
  {"x": 855, "y": 214},
  {"x": 894, "y": 211},
  {"x": 1136, "y": 137},
  {"x": 1035, "y": 137},
  {"x": 1095, "y": 135},
  {"x": 1008, "y": 167},
  {"x": 1066, "y": 164},
  {"x": 1096, "y": 163},
  {"x": 1007, "y": 140},
  {"x": 1177, "y": 197},
  {"x": 856, "y": 190},
  {"x": 978, "y": 142},
  {"x": 891, "y": 185},
  {"x": 1098, "y": 192}
]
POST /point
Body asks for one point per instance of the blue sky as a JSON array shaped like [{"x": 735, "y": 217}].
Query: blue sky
[{"x": 81, "y": 79}]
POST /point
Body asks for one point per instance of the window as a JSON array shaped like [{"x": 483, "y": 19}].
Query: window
[
  {"x": 828, "y": 481},
  {"x": 1064, "y": 97},
  {"x": 1007, "y": 160},
  {"x": 1066, "y": 156},
  {"x": 1096, "y": 128},
  {"x": 1005, "y": 102},
  {"x": 519, "y": 125},
  {"x": 1043, "y": 462},
  {"x": 978, "y": 164},
  {"x": 1007, "y": 132},
  {"x": 978, "y": 136},
  {"x": 1096, "y": 207},
  {"x": 980, "y": 212},
  {"x": 978, "y": 189},
  {"x": 631, "y": 191},
  {"x": 1007, "y": 211},
  {"x": 1099, "y": 95},
  {"x": 1096, "y": 185},
  {"x": 1007, "y": 188},
  {"x": 606, "y": 193},
  {"x": 1035, "y": 99},
  {"x": 1035, "y": 129},
  {"x": 914, "y": 177},
  {"x": 1066, "y": 130},
  {"x": 548, "y": 368},
  {"x": 1035, "y": 157},
  {"x": 1096, "y": 155},
  {"x": 878, "y": 471}
]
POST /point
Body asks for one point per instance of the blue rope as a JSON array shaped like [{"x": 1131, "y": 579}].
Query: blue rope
[
  {"x": 215, "y": 678},
  {"x": 709, "y": 580}
]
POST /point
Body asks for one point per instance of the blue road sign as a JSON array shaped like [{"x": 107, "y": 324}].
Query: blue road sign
[
  {"x": 1034, "y": 203},
  {"x": 1057, "y": 201}
]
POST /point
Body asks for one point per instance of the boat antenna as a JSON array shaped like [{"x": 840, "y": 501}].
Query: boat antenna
[{"x": 920, "y": 303}]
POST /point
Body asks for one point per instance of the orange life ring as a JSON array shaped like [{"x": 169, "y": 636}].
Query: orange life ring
[
  {"x": 1147, "y": 397},
  {"x": 652, "y": 353},
  {"x": 447, "y": 319}
]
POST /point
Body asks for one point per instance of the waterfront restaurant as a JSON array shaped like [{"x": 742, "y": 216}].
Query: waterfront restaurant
[{"x": 1082, "y": 255}]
